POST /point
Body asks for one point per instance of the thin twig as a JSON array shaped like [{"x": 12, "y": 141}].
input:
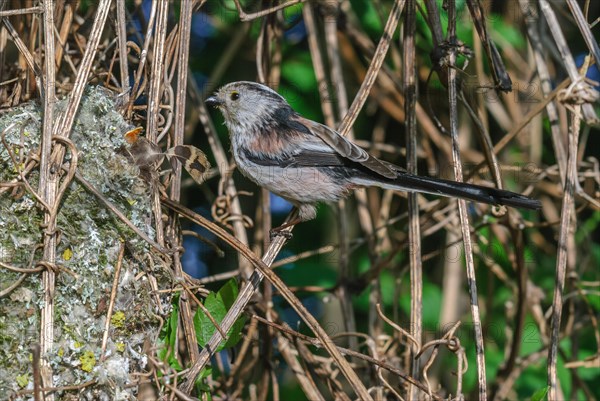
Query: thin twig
[
  {"x": 155, "y": 96},
  {"x": 206, "y": 313},
  {"x": 139, "y": 77},
  {"x": 303, "y": 376},
  {"x": 183, "y": 45},
  {"x": 587, "y": 109},
  {"x": 585, "y": 29},
  {"x": 35, "y": 362},
  {"x": 374, "y": 67},
  {"x": 521, "y": 304},
  {"x": 35, "y": 68},
  {"x": 415, "y": 343},
  {"x": 64, "y": 32},
  {"x": 561, "y": 257},
  {"x": 122, "y": 40},
  {"x": 48, "y": 187},
  {"x": 414, "y": 227},
  {"x": 65, "y": 122},
  {"x": 249, "y": 17},
  {"x": 22, "y": 11},
  {"x": 113, "y": 296},
  {"x": 119, "y": 214},
  {"x": 462, "y": 205}
]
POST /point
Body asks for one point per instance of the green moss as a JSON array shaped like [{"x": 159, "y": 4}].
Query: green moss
[
  {"x": 22, "y": 380},
  {"x": 88, "y": 361},
  {"x": 120, "y": 347},
  {"x": 118, "y": 319}
]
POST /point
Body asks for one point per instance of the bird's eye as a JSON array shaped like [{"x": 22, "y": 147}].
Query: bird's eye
[{"x": 235, "y": 95}]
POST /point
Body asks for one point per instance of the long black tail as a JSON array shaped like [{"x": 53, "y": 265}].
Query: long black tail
[{"x": 436, "y": 186}]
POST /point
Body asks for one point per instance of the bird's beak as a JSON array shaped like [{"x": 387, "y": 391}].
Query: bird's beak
[{"x": 214, "y": 101}]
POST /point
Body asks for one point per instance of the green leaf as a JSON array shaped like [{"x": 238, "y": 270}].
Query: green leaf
[
  {"x": 168, "y": 337},
  {"x": 540, "y": 394},
  {"x": 228, "y": 293},
  {"x": 203, "y": 325},
  {"x": 217, "y": 305},
  {"x": 173, "y": 321},
  {"x": 207, "y": 371},
  {"x": 201, "y": 385},
  {"x": 235, "y": 334}
]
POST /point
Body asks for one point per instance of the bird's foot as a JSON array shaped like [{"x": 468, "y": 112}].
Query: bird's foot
[{"x": 278, "y": 231}]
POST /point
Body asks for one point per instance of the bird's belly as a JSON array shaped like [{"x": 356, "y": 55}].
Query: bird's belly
[{"x": 298, "y": 185}]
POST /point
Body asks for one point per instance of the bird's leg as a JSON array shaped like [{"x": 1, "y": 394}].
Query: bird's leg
[{"x": 274, "y": 232}]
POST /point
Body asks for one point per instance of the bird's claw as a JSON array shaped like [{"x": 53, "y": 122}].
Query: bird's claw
[{"x": 274, "y": 233}]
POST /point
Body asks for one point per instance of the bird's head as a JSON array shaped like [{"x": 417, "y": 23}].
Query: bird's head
[{"x": 246, "y": 105}]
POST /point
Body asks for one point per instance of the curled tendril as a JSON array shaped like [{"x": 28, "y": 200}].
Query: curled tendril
[
  {"x": 578, "y": 92},
  {"x": 221, "y": 211}
]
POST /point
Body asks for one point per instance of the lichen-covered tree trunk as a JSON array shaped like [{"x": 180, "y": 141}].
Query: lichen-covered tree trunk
[{"x": 105, "y": 271}]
